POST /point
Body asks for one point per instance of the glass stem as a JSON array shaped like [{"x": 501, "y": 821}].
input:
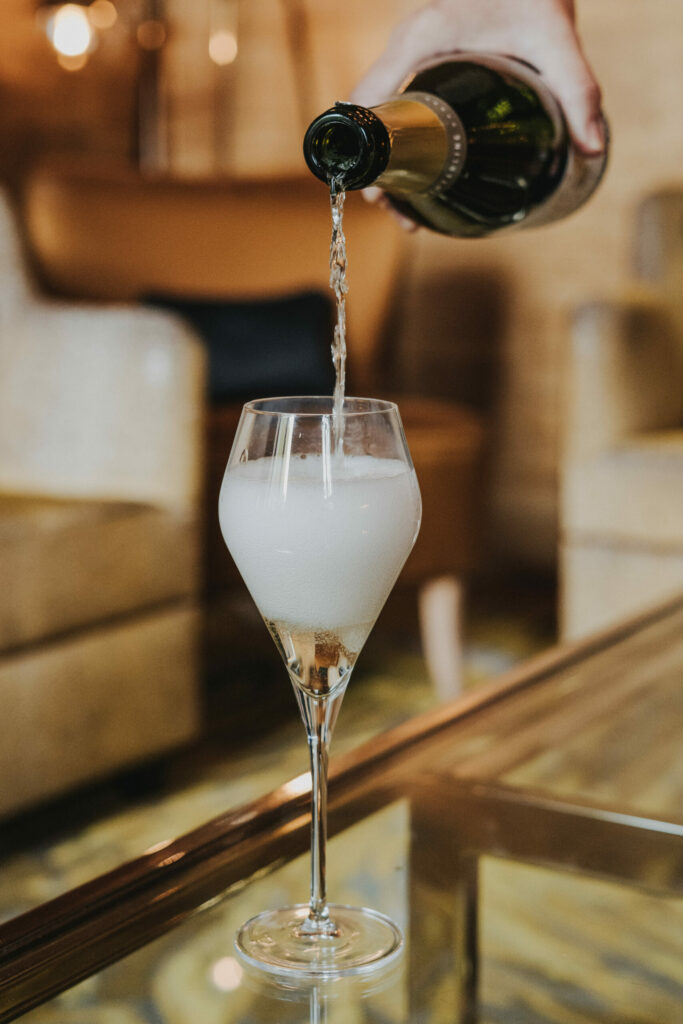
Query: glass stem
[
  {"x": 317, "y": 1007},
  {"x": 319, "y": 717},
  {"x": 319, "y": 747}
]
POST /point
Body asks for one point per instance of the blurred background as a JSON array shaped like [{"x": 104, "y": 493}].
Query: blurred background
[{"x": 163, "y": 257}]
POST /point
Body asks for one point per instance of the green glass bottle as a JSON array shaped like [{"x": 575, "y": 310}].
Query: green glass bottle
[{"x": 473, "y": 144}]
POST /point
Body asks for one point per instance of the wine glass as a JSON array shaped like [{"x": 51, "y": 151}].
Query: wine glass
[{"x": 319, "y": 508}]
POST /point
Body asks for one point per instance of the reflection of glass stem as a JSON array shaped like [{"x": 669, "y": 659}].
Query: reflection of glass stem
[
  {"x": 319, "y": 718},
  {"x": 317, "y": 1005}
]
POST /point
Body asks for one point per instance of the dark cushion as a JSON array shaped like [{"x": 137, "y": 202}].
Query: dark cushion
[{"x": 262, "y": 348}]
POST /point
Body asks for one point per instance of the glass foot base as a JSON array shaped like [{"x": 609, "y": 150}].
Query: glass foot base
[{"x": 357, "y": 941}]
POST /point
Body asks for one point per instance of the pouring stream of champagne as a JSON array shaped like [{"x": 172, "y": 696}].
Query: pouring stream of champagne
[{"x": 340, "y": 287}]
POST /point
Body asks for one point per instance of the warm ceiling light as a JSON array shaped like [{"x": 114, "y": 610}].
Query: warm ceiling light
[
  {"x": 69, "y": 31},
  {"x": 102, "y": 14},
  {"x": 222, "y": 47}
]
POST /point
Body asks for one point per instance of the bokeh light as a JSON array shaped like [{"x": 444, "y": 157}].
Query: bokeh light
[
  {"x": 102, "y": 14},
  {"x": 223, "y": 47},
  {"x": 226, "y": 974},
  {"x": 151, "y": 34},
  {"x": 69, "y": 31}
]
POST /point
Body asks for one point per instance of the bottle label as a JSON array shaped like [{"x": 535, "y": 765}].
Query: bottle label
[{"x": 455, "y": 135}]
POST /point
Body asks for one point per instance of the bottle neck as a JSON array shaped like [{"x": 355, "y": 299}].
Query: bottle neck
[
  {"x": 418, "y": 146},
  {"x": 347, "y": 145},
  {"x": 401, "y": 145}
]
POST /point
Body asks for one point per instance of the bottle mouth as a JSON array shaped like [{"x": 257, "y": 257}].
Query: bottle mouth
[{"x": 347, "y": 144}]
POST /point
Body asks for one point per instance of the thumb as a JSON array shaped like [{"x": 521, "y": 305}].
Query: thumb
[{"x": 575, "y": 87}]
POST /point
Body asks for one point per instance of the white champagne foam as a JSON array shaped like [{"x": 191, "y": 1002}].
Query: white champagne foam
[{"x": 318, "y": 548}]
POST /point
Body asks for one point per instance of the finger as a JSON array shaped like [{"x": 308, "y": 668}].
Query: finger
[
  {"x": 410, "y": 42},
  {"x": 405, "y": 222},
  {"x": 379, "y": 198},
  {"x": 372, "y": 195},
  {"x": 379, "y": 82},
  {"x": 383, "y": 79},
  {"x": 570, "y": 78}
]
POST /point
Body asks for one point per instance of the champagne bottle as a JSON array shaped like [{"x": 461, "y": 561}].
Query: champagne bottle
[{"x": 473, "y": 144}]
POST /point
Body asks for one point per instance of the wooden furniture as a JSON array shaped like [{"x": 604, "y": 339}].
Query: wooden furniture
[
  {"x": 622, "y": 463},
  {"x": 105, "y": 232},
  {"x": 113, "y": 234},
  {"x": 527, "y": 836},
  {"x": 100, "y": 461},
  {"x": 448, "y": 444}
]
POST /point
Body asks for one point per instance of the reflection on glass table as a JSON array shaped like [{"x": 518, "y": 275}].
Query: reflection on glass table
[{"x": 527, "y": 838}]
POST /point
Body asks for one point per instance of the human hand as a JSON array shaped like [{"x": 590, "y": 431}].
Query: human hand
[{"x": 541, "y": 32}]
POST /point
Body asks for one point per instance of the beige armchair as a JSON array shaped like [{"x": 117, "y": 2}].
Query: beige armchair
[
  {"x": 622, "y": 466},
  {"x": 100, "y": 460},
  {"x": 257, "y": 239}
]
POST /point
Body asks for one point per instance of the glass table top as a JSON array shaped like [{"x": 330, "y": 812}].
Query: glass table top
[{"x": 527, "y": 837}]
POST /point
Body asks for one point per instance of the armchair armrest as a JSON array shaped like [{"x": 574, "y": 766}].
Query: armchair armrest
[
  {"x": 623, "y": 376},
  {"x": 101, "y": 401}
]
